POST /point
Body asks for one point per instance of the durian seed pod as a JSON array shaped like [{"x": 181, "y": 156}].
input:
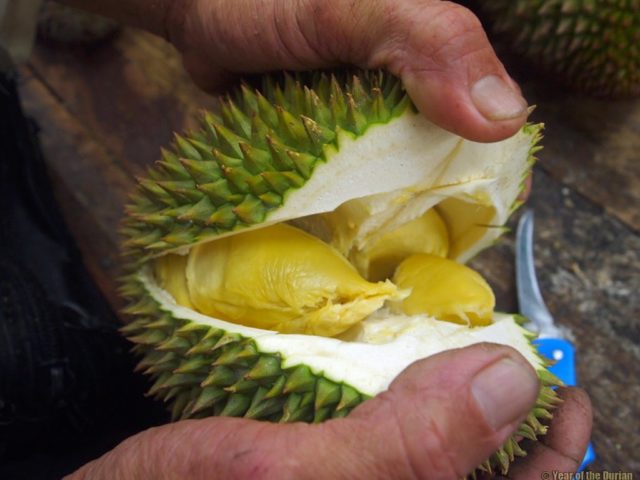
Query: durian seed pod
[{"x": 344, "y": 154}]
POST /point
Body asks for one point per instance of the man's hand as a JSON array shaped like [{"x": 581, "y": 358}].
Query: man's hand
[
  {"x": 438, "y": 420},
  {"x": 438, "y": 48}
]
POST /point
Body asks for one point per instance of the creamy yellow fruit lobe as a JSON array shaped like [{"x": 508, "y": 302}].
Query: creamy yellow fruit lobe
[{"x": 283, "y": 279}]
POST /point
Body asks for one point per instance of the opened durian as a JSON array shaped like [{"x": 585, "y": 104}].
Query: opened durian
[{"x": 289, "y": 259}]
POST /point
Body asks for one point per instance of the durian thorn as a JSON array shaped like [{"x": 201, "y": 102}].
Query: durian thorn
[
  {"x": 191, "y": 327},
  {"x": 300, "y": 380},
  {"x": 149, "y": 337},
  {"x": 228, "y": 141},
  {"x": 159, "y": 368},
  {"x": 349, "y": 398},
  {"x": 321, "y": 414},
  {"x": 174, "y": 344},
  {"x": 236, "y": 405},
  {"x": 181, "y": 380},
  {"x": 162, "y": 323},
  {"x": 248, "y": 97},
  {"x": 220, "y": 376},
  {"x": 267, "y": 112},
  {"x": 277, "y": 388},
  {"x": 264, "y": 408},
  {"x": 242, "y": 386},
  {"x": 170, "y": 394},
  {"x": 280, "y": 159},
  {"x": 236, "y": 120},
  {"x": 134, "y": 327},
  {"x": 179, "y": 405},
  {"x": 185, "y": 148},
  {"x": 157, "y": 385},
  {"x": 327, "y": 393},
  {"x": 341, "y": 413},
  {"x": 193, "y": 365},
  {"x": 208, "y": 397},
  {"x": 267, "y": 366},
  {"x": 355, "y": 119}
]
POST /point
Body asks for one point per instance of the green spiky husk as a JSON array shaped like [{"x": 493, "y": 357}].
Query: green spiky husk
[
  {"x": 592, "y": 46},
  {"x": 244, "y": 161},
  {"x": 229, "y": 175},
  {"x": 200, "y": 371}
]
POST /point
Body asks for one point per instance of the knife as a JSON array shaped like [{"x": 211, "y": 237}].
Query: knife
[{"x": 550, "y": 342}]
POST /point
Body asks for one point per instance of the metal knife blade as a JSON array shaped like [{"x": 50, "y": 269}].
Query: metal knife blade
[
  {"x": 530, "y": 300},
  {"x": 550, "y": 342}
]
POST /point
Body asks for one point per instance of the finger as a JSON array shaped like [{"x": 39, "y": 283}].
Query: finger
[
  {"x": 563, "y": 447},
  {"x": 441, "y": 418},
  {"x": 439, "y": 49},
  {"x": 451, "y": 71}
]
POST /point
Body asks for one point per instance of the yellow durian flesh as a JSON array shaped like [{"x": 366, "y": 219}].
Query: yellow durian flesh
[
  {"x": 170, "y": 270},
  {"x": 283, "y": 279},
  {"x": 426, "y": 234},
  {"x": 445, "y": 289},
  {"x": 467, "y": 221},
  {"x": 279, "y": 278}
]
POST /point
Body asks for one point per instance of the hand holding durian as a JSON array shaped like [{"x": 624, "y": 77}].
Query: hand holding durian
[{"x": 299, "y": 258}]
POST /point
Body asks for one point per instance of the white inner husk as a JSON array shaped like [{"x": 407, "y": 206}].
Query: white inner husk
[
  {"x": 399, "y": 170},
  {"x": 403, "y": 169}
]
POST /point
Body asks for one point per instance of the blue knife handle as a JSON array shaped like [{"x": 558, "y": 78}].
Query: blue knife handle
[{"x": 563, "y": 354}]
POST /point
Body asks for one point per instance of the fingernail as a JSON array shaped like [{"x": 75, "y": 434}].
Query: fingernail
[
  {"x": 504, "y": 391},
  {"x": 497, "y": 100}
]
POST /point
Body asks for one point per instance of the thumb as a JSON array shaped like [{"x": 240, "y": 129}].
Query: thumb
[
  {"x": 439, "y": 419},
  {"x": 438, "y": 48},
  {"x": 450, "y": 69},
  {"x": 445, "y": 415}
]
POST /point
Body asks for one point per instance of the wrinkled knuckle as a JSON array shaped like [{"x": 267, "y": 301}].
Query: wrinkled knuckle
[
  {"x": 309, "y": 24},
  {"x": 457, "y": 20},
  {"x": 348, "y": 30}
]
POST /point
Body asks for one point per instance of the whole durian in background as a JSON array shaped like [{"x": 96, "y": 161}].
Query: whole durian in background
[
  {"x": 592, "y": 46},
  {"x": 291, "y": 257}
]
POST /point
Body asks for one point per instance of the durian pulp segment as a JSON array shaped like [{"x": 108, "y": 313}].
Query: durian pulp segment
[
  {"x": 171, "y": 272},
  {"x": 445, "y": 290},
  {"x": 426, "y": 234},
  {"x": 283, "y": 279},
  {"x": 467, "y": 221},
  {"x": 276, "y": 278}
]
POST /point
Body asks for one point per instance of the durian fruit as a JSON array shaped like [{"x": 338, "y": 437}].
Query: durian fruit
[
  {"x": 589, "y": 45},
  {"x": 250, "y": 248}
]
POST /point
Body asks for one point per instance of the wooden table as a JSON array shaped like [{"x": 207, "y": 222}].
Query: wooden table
[{"x": 105, "y": 112}]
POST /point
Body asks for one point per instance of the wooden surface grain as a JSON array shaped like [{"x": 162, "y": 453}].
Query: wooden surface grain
[{"x": 105, "y": 112}]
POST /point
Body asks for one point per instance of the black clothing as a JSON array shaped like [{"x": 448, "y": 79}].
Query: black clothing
[{"x": 67, "y": 391}]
